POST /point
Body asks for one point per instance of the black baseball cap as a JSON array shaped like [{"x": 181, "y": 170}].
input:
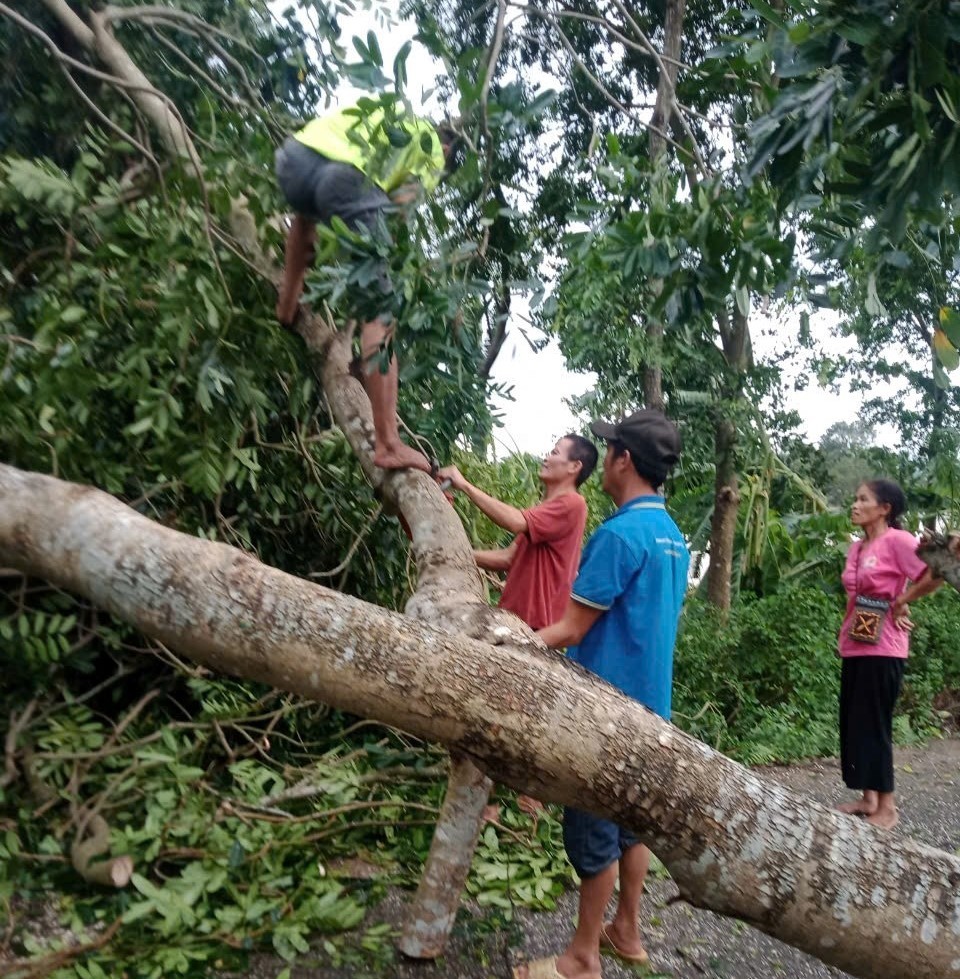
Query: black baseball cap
[{"x": 651, "y": 438}]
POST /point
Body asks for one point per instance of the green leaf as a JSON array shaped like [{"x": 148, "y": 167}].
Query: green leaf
[
  {"x": 141, "y": 426},
  {"x": 374, "y": 48},
  {"x": 769, "y": 12},
  {"x": 743, "y": 300},
  {"x": 940, "y": 377},
  {"x": 400, "y": 138},
  {"x": 73, "y": 314},
  {"x": 950, "y": 324},
  {"x": 946, "y": 351}
]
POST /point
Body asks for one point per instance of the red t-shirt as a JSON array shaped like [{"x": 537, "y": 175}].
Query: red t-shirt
[{"x": 548, "y": 555}]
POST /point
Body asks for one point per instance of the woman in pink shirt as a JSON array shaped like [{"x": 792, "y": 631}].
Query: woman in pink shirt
[{"x": 874, "y": 644}]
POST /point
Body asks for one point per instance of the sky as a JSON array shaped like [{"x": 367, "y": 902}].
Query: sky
[{"x": 537, "y": 415}]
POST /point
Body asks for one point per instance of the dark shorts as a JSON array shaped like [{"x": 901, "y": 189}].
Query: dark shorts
[
  {"x": 592, "y": 843},
  {"x": 869, "y": 687},
  {"x": 321, "y": 189}
]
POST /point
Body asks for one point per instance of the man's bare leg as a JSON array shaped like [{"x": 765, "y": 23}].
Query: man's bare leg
[
  {"x": 581, "y": 959},
  {"x": 624, "y": 930},
  {"x": 298, "y": 256},
  {"x": 885, "y": 815},
  {"x": 866, "y": 806},
  {"x": 389, "y": 451}
]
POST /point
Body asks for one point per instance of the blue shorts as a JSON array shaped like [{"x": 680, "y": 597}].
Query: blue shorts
[{"x": 592, "y": 843}]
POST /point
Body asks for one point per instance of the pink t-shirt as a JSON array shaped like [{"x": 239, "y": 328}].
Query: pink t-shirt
[
  {"x": 880, "y": 569},
  {"x": 548, "y": 555}
]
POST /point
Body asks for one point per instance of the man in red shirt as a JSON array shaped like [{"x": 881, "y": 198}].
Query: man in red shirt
[{"x": 542, "y": 560}]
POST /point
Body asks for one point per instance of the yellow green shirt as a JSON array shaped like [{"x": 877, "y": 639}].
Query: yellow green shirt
[{"x": 369, "y": 141}]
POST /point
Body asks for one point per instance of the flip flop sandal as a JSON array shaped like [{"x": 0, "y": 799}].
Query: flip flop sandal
[
  {"x": 541, "y": 969},
  {"x": 607, "y": 947}
]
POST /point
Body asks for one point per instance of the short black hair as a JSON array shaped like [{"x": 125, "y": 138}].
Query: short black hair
[
  {"x": 655, "y": 479},
  {"x": 583, "y": 451},
  {"x": 889, "y": 492}
]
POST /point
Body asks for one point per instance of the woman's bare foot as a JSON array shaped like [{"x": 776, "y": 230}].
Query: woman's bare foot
[
  {"x": 884, "y": 818},
  {"x": 859, "y": 808},
  {"x": 401, "y": 456},
  {"x": 864, "y": 806}
]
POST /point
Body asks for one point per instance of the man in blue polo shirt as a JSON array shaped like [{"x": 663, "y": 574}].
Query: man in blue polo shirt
[{"x": 621, "y": 623}]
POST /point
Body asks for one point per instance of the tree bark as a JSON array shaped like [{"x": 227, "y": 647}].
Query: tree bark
[
  {"x": 726, "y": 506},
  {"x": 735, "y": 340},
  {"x": 866, "y": 901}
]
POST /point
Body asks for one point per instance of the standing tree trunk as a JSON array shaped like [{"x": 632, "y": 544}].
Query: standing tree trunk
[
  {"x": 726, "y": 506},
  {"x": 871, "y": 903},
  {"x": 659, "y": 125},
  {"x": 735, "y": 338}
]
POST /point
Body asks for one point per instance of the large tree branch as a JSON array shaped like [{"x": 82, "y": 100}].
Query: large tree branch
[{"x": 866, "y": 901}]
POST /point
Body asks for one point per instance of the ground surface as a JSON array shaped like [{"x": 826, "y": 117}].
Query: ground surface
[{"x": 684, "y": 943}]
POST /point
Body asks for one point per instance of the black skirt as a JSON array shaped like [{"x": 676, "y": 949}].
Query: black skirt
[{"x": 869, "y": 687}]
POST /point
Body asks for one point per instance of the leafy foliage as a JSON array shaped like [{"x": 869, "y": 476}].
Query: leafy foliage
[
  {"x": 762, "y": 685},
  {"x": 864, "y": 105}
]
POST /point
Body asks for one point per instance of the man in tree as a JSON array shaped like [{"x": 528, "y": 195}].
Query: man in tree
[
  {"x": 621, "y": 623},
  {"x": 357, "y": 164},
  {"x": 541, "y": 560}
]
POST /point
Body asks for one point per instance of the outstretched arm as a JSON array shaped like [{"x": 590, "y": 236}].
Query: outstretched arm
[{"x": 502, "y": 514}]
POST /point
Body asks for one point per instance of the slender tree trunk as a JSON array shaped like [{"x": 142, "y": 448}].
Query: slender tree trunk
[
  {"x": 659, "y": 126},
  {"x": 726, "y": 506},
  {"x": 871, "y": 903},
  {"x": 427, "y": 928},
  {"x": 735, "y": 338}
]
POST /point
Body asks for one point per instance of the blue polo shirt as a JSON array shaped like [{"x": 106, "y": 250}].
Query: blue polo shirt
[{"x": 634, "y": 568}]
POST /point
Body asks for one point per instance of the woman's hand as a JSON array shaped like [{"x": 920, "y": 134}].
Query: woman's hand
[{"x": 900, "y": 611}]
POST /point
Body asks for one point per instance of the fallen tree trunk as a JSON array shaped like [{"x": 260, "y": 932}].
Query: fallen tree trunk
[{"x": 873, "y": 904}]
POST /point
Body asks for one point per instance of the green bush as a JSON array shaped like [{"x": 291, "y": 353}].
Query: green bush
[{"x": 762, "y": 683}]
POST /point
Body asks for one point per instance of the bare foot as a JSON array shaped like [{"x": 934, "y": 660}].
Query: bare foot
[
  {"x": 401, "y": 456},
  {"x": 859, "y": 808},
  {"x": 884, "y": 818}
]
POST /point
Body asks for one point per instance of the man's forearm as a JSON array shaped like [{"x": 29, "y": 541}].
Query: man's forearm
[
  {"x": 558, "y": 635},
  {"x": 502, "y": 514},
  {"x": 498, "y": 560},
  {"x": 577, "y": 621}
]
